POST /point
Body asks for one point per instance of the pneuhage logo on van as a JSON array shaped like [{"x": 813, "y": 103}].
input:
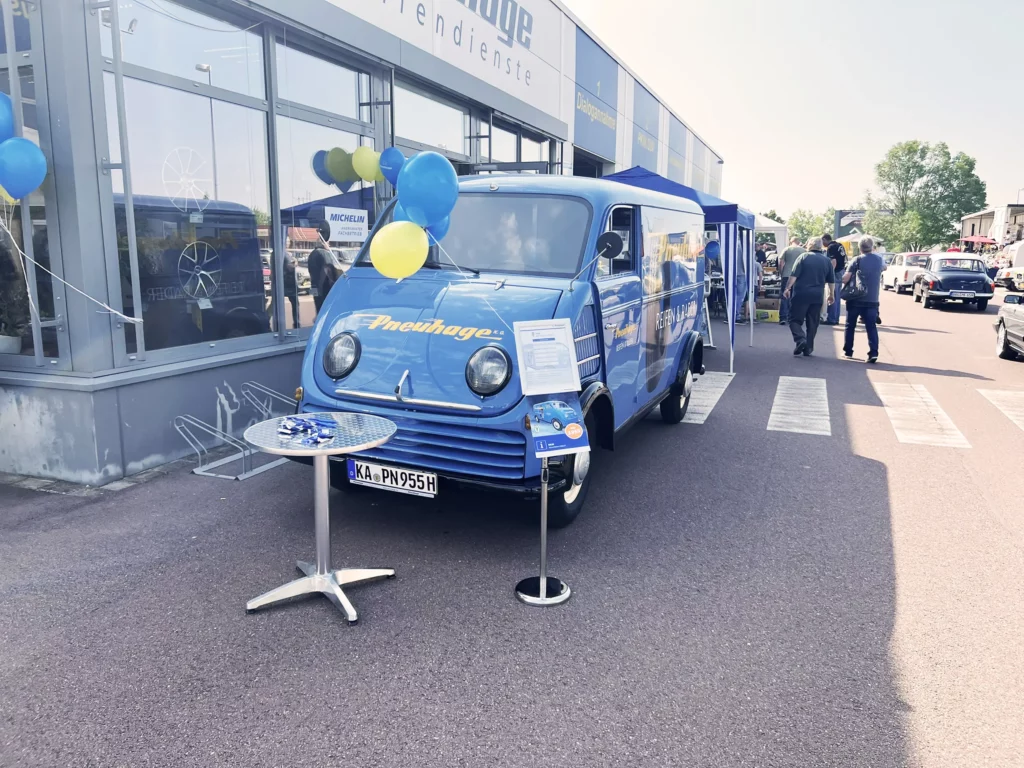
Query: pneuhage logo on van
[{"x": 436, "y": 327}]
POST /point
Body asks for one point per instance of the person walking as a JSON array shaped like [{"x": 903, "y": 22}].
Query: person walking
[
  {"x": 323, "y": 266},
  {"x": 785, "y": 268},
  {"x": 837, "y": 254},
  {"x": 812, "y": 276},
  {"x": 865, "y": 273}
]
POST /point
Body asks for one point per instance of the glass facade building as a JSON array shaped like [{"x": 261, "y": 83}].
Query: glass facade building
[{"x": 163, "y": 263}]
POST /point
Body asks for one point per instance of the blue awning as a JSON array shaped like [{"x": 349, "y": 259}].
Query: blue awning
[{"x": 716, "y": 210}]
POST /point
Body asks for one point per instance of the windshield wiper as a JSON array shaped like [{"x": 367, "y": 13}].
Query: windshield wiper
[{"x": 463, "y": 269}]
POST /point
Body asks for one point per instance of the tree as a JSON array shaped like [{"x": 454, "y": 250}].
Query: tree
[
  {"x": 262, "y": 217},
  {"x": 803, "y": 224},
  {"x": 929, "y": 189},
  {"x": 774, "y": 216}
]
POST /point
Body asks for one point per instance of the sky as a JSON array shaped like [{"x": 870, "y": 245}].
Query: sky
[{"x": 802, "y": 98}]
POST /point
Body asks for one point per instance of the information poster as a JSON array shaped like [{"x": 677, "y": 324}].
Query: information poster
[
  {"x": 546, "y": 352},
  {"x": 557, "y": 426}
]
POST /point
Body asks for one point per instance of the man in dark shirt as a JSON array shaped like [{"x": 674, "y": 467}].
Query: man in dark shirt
[
  {"x": 837, "y": 254},
  {"x": 812, "y": 274},
  {"x": 866, "y": 269},
  {"x": 759, "y": 255},
  {"x": 323, "y": 267}
]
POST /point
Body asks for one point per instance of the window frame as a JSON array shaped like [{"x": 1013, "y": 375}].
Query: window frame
[
  {"x": 634, "y": 271},
  {"x": 271, "y": 107},
  {"x": 36, "y": 59}
]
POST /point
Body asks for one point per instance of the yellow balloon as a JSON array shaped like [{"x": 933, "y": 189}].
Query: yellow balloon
[
  {"x": 6, "y": 197},
  {"x": 399, "y": 249},
  {"x": 367, "y": 163},
  {"x": 380, "y": 174}
]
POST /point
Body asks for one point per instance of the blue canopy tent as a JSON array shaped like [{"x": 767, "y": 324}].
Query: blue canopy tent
[{"x": 735, "y": 227}]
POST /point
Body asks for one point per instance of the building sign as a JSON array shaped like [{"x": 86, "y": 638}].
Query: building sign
[
  {"x": 646, "y": 119},
  {"x": 597, "y": 94},
  {"x": 514, "y": 45},
  {"x": 677, "y": 135},
  {"x": 851, "y": 222},
  {"x": 347, "y": 224}
]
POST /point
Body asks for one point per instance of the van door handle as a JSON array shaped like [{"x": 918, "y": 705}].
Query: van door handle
[{"x": 610, "y": 326}]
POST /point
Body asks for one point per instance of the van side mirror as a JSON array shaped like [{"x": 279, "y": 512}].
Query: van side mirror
[
  {"x": 1011, "y": 298},
  {"x": 609, "y": 245}
]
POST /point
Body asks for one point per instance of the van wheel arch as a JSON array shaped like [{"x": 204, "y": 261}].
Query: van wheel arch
[{"x": 597, "y": 398}]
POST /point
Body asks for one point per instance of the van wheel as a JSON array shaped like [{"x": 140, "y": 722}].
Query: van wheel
[
  {"x": 556, "y": 424},
  {"x": 565, "y": 505},
  {"x": 673, "y": 408}
]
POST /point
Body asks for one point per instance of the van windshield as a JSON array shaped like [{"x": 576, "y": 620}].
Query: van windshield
[{"x": 517, "y": 233}]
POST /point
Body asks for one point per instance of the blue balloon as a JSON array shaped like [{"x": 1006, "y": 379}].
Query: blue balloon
[
  {"x": 391, "y": 162},
  {"x": 6, "y": 117},
  {"x": 439, "y": 229},
  {"x": 22, "y": 167},
  {"x": 399, "y": 213},
  {"x": 428, "y": 188},
  {"x": 319, "y": 163},
  {"x": 344, "y": 186}
]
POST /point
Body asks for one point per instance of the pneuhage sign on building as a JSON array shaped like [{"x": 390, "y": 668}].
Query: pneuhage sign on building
[{"x": 514, "y": 45}]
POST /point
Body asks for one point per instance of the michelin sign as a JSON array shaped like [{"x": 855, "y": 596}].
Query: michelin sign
[{"x": 347, "y": 224}]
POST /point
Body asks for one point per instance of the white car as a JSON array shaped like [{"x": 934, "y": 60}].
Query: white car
[
  {"x": 900, "y": 274},
  {"x": 1011, "y": 270}
]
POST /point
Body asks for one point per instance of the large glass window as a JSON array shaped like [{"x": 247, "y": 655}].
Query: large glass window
[
  {"x": 174, "y": 40},
  {"x": 315, "y": 82},
  {"x": 535, "y": 151},
  {"x": 425, "y": 120},
  {"x": 201, "y": 193},
  {"x": 310, "y": 209},
  {"x": 503, "y": 146},
  {"x": 15, "y": 272}
]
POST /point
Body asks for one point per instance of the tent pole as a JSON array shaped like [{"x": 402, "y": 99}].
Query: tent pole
[{"x": 753, "y": 283}]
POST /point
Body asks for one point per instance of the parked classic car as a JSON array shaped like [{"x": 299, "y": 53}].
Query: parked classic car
[
  {"x": 899, "y": 274},
  {"x": 1010, "y": 328},
  {"x": 954, "y": 277}
]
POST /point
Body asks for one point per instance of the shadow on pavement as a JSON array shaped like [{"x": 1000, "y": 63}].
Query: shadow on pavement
[{"x": 733, "y": 605}]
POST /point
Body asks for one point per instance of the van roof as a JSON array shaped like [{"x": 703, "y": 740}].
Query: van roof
[{"x": 599, "y": 192}]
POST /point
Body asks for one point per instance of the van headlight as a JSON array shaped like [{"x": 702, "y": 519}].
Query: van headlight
[
  {"x": 488, "y": 370},
  {"x": 341, "y": 355}
]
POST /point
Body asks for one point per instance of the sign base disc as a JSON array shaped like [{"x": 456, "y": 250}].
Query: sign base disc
[{"x": 528, "y": 591}]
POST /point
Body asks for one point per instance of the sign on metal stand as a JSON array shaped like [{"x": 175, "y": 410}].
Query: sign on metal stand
[{"x": 546, "y": 353}]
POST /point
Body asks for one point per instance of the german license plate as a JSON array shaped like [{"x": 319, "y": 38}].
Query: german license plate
[
  {"x": 962, "y": 294},
  {"x": 409, "y": 481}
]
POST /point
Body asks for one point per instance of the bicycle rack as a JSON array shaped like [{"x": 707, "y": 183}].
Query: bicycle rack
[{"x": 250, "y": 392}]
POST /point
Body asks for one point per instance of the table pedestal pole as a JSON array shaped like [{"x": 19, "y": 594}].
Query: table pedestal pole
[{"x": 319, "y": 578}]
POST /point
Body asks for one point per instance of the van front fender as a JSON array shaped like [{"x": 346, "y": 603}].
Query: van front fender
[{"x": 598, "y": 398}]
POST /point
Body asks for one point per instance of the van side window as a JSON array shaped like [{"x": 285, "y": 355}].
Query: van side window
[
  {"x": 672, "y": 244},
  {"x": 620, "y": 221}
]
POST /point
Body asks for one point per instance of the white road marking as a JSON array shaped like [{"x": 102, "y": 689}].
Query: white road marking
[
  {"x": 707, "y": 390},
  {"x": 801, "y": 405},
  {"x": 1009, "y": 402},
  {"x": 916, "y": 417}
]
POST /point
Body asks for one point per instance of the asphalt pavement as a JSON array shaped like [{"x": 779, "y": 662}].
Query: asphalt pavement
[{"x": 742, "y": 597}]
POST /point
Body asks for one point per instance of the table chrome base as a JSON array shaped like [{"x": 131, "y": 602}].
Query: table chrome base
[
  {"x": 528, "y": 591},
  {"x": 327, "y": 584}
]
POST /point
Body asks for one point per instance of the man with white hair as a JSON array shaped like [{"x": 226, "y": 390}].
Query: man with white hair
[{"x": 865, "y": 271}]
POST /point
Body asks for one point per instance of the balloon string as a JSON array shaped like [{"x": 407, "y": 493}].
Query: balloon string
[
  {"x": 454, "y": 264},
  {"x": 25, "y": 256}
]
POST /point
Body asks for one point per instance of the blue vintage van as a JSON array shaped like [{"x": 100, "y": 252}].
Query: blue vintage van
[
  {"x": 556, "y": 413},
  {"x": 436, "y": 354}
]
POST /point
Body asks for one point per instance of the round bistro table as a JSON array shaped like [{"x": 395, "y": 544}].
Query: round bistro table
[{"x": 354, "y": 432}]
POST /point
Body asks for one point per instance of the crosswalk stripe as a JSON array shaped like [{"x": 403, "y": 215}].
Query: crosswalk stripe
[
  {"x": 1009, "y": 402},
  {"x": 916, "y": 417},
  {"x": 801, "y": 405},
  {"x": 707, "y": 391}
]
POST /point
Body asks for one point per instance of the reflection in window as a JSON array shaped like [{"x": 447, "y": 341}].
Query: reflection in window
[
  {"x": 304, "y": 79},
  {"x": 671, "y": 246},
  {"x": 534, "y": 151},
  {"x": 22, "y": 30},
  {"x": 201, "y": 194},
  {"x": 422, "y": 119},
  {"x": 175, "y": 40},
  {"x": 503, "y": 146},
  {"x": 15, "y": 309},
  {"x": 310, "y": 267}
]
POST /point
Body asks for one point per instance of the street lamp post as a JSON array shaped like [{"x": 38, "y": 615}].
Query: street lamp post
[
  {"x": 208, "y": 69},
  {"x": 1018, "y": 194}
]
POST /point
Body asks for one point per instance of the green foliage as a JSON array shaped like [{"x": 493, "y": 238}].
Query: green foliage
[
  {"x": 803, "y": 224},
  {"x": 774, "y": 216},
  {"x": 930, "y": 190}
]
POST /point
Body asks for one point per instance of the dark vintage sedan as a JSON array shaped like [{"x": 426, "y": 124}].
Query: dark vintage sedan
[
  {"x": 1010, "y": 327},
  {"x": 953, "y": 277}
]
